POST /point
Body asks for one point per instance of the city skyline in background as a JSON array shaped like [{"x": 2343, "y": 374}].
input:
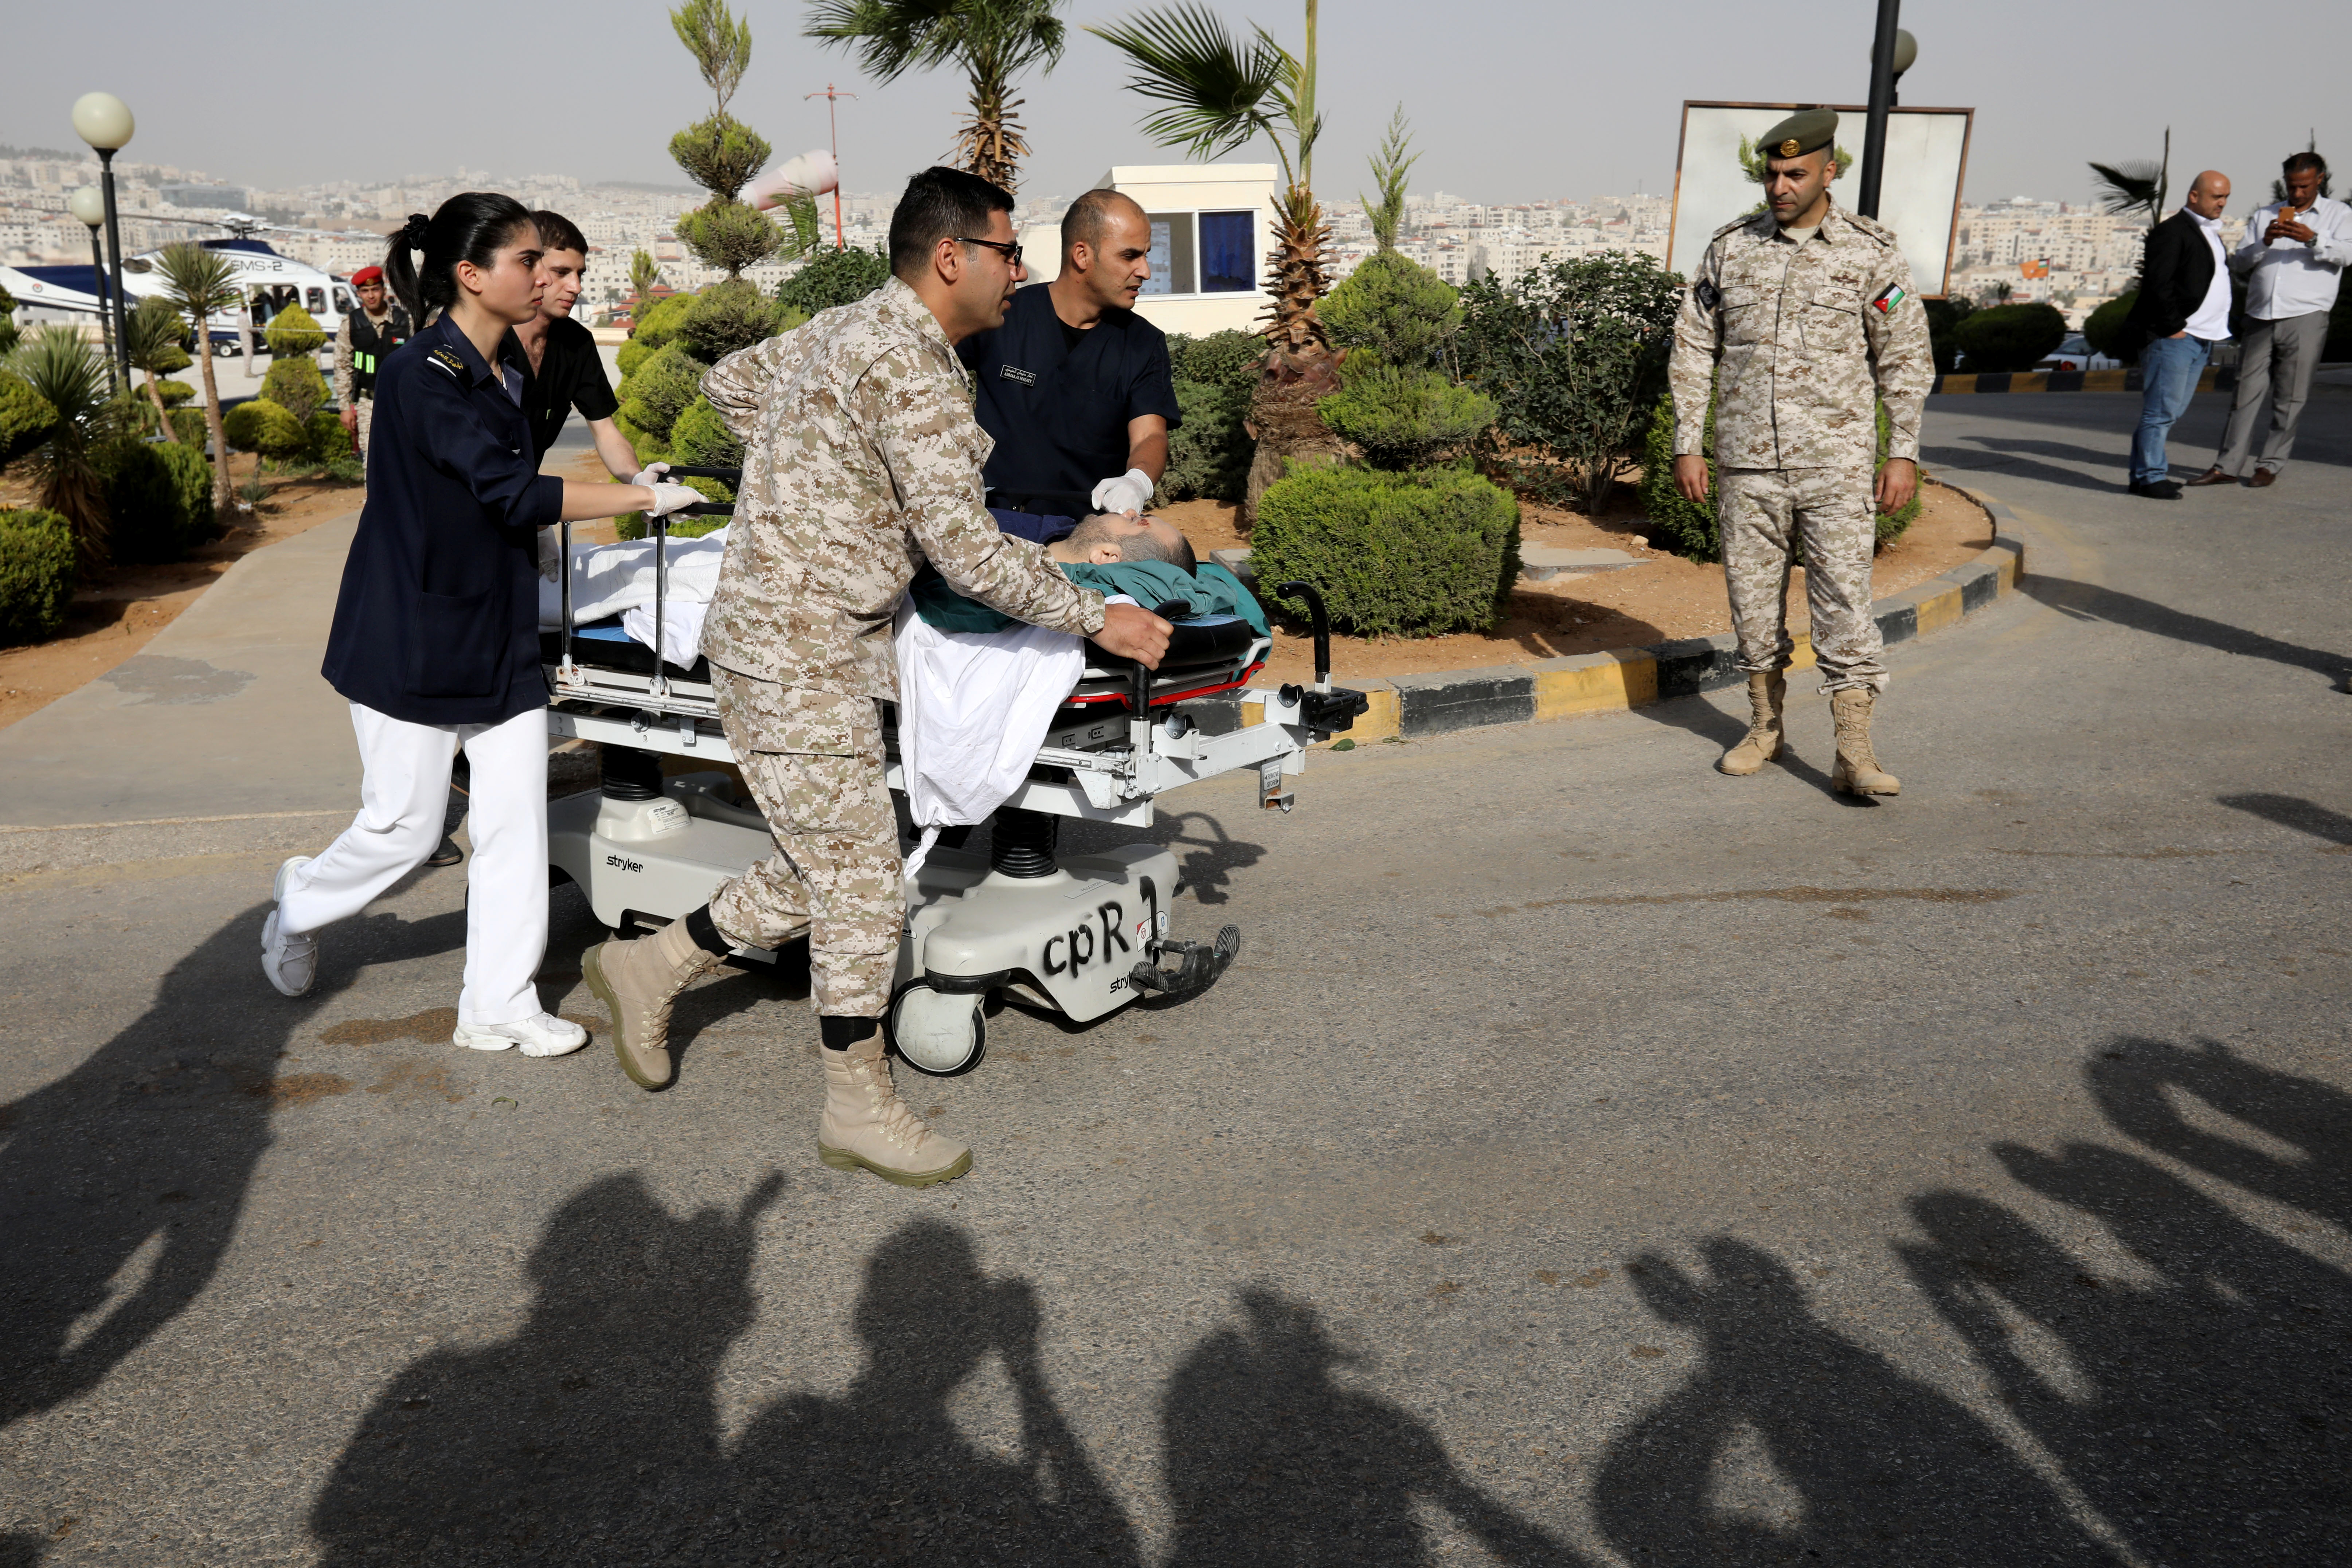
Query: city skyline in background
[{"x": 1531, "y": 102}]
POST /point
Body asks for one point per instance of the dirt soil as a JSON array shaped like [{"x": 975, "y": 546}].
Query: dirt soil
[
  {"x": 1659, "y": 598},
  {"x": 114, "y": 616}
]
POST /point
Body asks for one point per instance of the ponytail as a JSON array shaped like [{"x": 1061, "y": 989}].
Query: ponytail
[{"x": 471, "y": 226}]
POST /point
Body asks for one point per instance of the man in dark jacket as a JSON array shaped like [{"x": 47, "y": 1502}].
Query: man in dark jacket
[{"x": 2183, "y": 309}]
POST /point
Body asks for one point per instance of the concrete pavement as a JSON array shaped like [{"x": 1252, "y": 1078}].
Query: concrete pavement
[{"x": 1591, "y": 1158}]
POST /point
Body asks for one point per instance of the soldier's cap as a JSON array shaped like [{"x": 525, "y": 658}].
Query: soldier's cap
[
  {"x": 1807, "y": 131},
  {"x": 367, "y": 275}
]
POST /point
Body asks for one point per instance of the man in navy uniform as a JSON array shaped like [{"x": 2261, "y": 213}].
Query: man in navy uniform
[{"x": 1075, "y": 386}]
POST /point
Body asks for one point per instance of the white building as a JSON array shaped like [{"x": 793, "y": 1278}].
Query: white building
[{"x": 1211, "y": 225}]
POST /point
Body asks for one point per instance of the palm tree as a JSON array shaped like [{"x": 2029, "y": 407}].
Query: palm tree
[
  {"x": 993, "y": 40},
  {"x": 1219, "y": 94},
  {"x": 645, "y": 272},
  {"x": 71, "y": 378},
  {"x": 2136, "y": 186},
  {"x": 151, "y": 338},
  {"x": 201, "y": 284}
]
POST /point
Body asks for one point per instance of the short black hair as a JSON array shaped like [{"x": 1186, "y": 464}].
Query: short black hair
[
  {"x": 941, "y": 204},
  {"x": 2298, "y": 162},
  {"x": 1090, "y": 215},
  {"x": 557, "y": 232}
]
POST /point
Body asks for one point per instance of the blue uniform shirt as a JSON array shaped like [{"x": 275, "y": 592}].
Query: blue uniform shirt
[
  {"x": 437, "y": 622},
  {"x": 1057, "y": 399}
]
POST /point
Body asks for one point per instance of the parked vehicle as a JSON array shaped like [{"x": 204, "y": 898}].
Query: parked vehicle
[{"x": 2077, "y": 354}]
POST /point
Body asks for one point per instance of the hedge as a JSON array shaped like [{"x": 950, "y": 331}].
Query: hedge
[
  {"x": 1689, "y": 530},
  {"x": 2009, "y": 337},
  {"x": 2108, "y": 329},
  {"x": 148, "y": 515},
  {"x": 1397, "y": 307},
  {"x": 37, "y": 574},
  {"x": 25, "y": 417},
  {"x": 833, "y": 278},
  {"x": 262, "y": 425},
  {"x": 1405, "y": 554}
]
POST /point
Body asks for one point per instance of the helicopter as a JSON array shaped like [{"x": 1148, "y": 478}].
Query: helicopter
[{"x": 269, "y": 282}]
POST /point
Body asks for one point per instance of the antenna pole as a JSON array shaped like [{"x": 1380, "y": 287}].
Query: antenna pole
[{"x": 833, "y": 130}]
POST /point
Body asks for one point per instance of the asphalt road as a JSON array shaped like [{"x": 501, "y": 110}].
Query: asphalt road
[{"x": 1593, "y": 1158}]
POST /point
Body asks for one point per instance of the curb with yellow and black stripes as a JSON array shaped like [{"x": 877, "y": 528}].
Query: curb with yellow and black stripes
[
  {"x": 1408, "y": 707},
  {"x": 2212, "y": 380}
]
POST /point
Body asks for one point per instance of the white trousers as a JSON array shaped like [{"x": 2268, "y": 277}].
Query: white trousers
[{"x": 403, "y": 796}]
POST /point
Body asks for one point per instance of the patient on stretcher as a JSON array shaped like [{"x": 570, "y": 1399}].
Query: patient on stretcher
[{"x": 1119, "y": 552}]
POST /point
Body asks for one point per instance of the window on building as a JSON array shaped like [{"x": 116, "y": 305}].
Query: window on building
[{"x": 1202, "y": 253}]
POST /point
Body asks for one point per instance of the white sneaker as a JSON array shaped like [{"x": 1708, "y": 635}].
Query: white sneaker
[
  {"x": 544, "y": 1035},
  {"x": 290, "y": 959}
]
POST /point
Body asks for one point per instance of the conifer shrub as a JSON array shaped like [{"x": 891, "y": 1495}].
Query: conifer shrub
[
  {"x": 2109, "y": 332},
  {"x": 1210, "y": 451},
  {"x": 658, "y": 325},
  {"x": 726, "y": 317},
  {"x": 1402, "y": 417},
  {"x": 25, "y": 417},
  {"x": 294, "y": 331},
  {"x": 328, "y": 442},
  {"x": 831, "y": 278},
  {"x": 268, "y": 427},
  {"x": 1407, "y": 554},
  {"x": 147, "y": 515},
  {"x": 37, "y": 574},
  {"x": 661, "y": 389},
  {"x": 296, "y": 386},
  {"x": 192, "y": 472},
  {"x": 1231, "y": 360},
  {"x": 1395, "y": 307}
]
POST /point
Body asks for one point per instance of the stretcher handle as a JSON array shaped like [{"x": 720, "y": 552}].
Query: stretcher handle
[
  {"x": 732, "y": 477},
  {"x": 1322, "y": 629}
]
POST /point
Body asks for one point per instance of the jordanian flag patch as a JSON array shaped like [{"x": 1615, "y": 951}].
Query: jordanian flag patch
[{"x": 1884, "y": 304}]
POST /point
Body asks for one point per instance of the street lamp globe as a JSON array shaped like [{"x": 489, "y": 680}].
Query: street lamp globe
[
  {"x": 103, "y": 121},
  {"x": 88, "y": 204},
  {"x": 1907, "y": 51}
]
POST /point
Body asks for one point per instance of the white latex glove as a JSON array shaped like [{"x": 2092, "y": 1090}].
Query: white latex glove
[
  {"x": 670, "y": 498},
  {"x": 651, "y": 474},
  {"x": 1131, "y": 491},
  {"x": 551, "y": 554}
]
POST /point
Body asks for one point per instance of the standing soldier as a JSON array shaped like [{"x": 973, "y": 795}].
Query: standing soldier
[
  {"x": 862, "y": 461},
  {"x": 1798, "y": 318},
  {"x": 363, "y": 342}
]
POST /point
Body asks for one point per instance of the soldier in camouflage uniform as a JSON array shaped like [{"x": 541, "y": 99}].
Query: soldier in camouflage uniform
[
  {"x": 862, "y": 461},
  {"x": 1798, "y": 320}
]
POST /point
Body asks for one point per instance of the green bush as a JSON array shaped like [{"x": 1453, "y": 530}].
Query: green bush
[
  {"x": 189, "y": 427},
  {"x": 2109, "y": 332},
  {"x": 1229, "y": 360},
  {"x": 661, "y": 390},
  {"x": 266, "y": 427},
  {"x": 296, "y": 386},
  {"x": 1944, "y": 317},
  {"x": 730, "y": 236},
  {"x": 292, "y": 332},
  {"x": 37, "y": 574},
  {"x": 1402, "y": 418},
  {"x": 1209, "y": 452},
  {"x": 25, "y": 417},
  {"x": 1689, "y": 530},
  {"x": 145, "y": 500},
  {"x": 175, "y": 392},
  {"x": 1674, "y": 523},
  {"x": 833, "y": 278},
  {"x": 1395, "y": 307},
  {"x": 726, "y": 317},
  {"x": 328, "y": 442},
  {"x": 192, "y": 472},
  {"x": 700, "y": 438},
  {"x": 1574, "y": 354},
  {"x": 662, "y": 322},
  {"x": 1403, "y": 554},
  {"x": 2009, "y": 337}
]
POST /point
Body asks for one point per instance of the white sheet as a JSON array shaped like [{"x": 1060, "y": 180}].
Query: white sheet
[{"x": 608, "y": 579}]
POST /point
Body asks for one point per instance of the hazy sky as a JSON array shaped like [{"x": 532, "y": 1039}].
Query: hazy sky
[{"x": 1512, "y": 100}]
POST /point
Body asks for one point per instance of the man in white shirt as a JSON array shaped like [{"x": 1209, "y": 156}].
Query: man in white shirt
[{"x": 2293, "y": 259}]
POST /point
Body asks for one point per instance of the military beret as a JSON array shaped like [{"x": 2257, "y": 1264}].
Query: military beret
[
  {"x": 367, "y": 275},
  {"x": 1807, "y": 131}
]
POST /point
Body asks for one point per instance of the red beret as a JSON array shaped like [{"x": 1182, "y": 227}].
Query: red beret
[{"x": 367, "y": 275}]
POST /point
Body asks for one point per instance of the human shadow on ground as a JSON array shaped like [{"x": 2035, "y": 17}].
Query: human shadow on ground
[
  {"x": 2290, "y": 811},
  {"x": 589, "y": 1436},
  {"x": 1270, "y": 1459},
  {"x": 2089, "y": 602},
  {"x": 122, "y": 1183},
  {"x": 884, "y": 1474},
  {"x": 1872, "y": 1466},
  {"x": 1724, "y": 729},
  {"x": 2005, "y": 456},
  {"x": 2194, "y": 1392}
]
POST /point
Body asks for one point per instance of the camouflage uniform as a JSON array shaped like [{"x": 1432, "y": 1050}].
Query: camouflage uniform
[
  {"x": 1793, "y": 340},
  {"x": 862, "y": 461}
]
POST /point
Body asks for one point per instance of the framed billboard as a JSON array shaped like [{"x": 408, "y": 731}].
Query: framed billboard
[{"x": 1919, "y": 194}]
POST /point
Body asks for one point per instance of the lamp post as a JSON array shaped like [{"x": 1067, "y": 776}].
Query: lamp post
[
  {"x": 90, "y": 207},
  {"x": 1891, "y": 51},
  {"x": 104, "y": 121}
]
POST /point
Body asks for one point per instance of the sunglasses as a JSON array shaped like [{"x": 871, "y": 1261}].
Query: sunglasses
[{"x": 1011, "y": 253}]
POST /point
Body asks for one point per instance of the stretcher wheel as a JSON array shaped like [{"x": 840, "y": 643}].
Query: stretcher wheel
[{"x": 935, "y": 1032}]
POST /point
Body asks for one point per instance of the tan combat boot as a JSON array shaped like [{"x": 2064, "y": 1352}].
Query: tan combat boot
[
  {"x": 637, "y": 980},
  {"x": 1766, "y": 695},
  {"x": 1856, "y": 771},
  {"x": 867, "y": 1125}
]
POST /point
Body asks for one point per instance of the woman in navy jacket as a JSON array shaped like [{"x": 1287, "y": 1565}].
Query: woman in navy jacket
[{"x": 436, "y": 640}]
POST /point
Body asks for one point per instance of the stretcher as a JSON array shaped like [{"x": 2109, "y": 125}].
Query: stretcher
[{"x": 1078, "y": 935}]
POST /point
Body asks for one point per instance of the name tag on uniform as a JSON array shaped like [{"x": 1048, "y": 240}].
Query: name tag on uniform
[
  {"x": 446, "y": 359},
  {"x": 1014, "y": 372},
  {"x": 1884, "y": 304},
  {"x": 1709, "y": 296}
]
